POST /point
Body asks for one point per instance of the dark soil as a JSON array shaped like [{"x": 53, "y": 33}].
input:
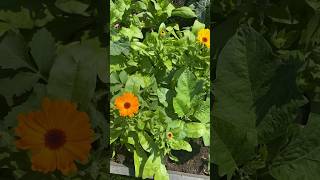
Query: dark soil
[{"x": 195, "y": 162}]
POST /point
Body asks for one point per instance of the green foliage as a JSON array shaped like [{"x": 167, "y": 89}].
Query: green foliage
[
  {"x": 168, "y": 70},
  {"x": 51, "y": 49},
  {"x": 266, "y": 90}
]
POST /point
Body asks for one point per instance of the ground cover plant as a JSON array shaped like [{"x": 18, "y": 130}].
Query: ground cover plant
[
  {"x": 266, "y": 106},
  {"x": 159, "y": 82},
  {"x": 52, "y": 94}
]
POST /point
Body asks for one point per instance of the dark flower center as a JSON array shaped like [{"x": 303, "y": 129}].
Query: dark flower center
[
  {"x": 169, "y": 135},
  {"x": 127, "y": 105},
  {"x": 55, "y": 138},
  {"x": 204, "y": 39}
]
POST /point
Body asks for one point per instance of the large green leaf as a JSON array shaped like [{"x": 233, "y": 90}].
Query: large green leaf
[
  {"x": 140, "y": 158},
  {"x": 73, "y": 75},
  {"x": 184, "y": 89},
  {"x": 244, "y": 66},
  {"x": 154, "y": 166},
  {"x": 43, "y": 50},
  {"x": 184, "y": 12},
  {"x": 300, "y": 160}
]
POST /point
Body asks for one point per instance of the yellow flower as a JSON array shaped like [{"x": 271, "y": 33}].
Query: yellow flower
[
  {"x": 57, "y": 135},
  {"x": 169, "y": 135},
  {"x": 204, "y": 37},
  {"x": 127, "y": 104}
]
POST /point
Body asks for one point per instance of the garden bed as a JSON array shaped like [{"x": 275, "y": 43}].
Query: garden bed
[{"x": 195, "y": 162}]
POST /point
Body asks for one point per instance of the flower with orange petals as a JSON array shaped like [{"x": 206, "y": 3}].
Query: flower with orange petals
[
  {"x": 57, "y": 135},
  {"x": 204, "y": 37},
  {"x": 127, "y": 104}
]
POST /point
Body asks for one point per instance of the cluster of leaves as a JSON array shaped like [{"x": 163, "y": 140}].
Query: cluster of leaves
[
  {"x": 168, "y": 70},
  {"x": 51, "y": 49},
  {"x": 266, "y": 108}
]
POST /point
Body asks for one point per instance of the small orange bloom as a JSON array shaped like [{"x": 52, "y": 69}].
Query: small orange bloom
[
  {"x": 57, "y": 135},
  {"x": 169, "y": 135},
  {"x": 127, "y": 104},
  {"x": 204, "y": 37}
]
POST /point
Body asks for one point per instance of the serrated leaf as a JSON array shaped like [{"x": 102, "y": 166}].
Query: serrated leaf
[
  {"x": 19, "y": 84},
  {"x": 13, "y": 52},
  {"x": 43, "y": 50}
]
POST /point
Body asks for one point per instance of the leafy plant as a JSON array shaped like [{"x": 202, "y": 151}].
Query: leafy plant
[
  {"x": 166, "y": 69},
  {"x": 266, "y": 112},
  {"x": 51, "y": 49}
]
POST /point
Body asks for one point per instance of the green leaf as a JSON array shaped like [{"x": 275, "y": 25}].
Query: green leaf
[
  {"x": 140, "y": 158},
  {"x": 184, "y": 12},
  {"x": 131, "y": 32},
  {"x": 197, "y": 26},
  {"x": 19, "y": 84},
  {"x": 146, "y": 141},
  {"x": 300, "y": 160},
  {"x": 19, "y": 19},
  {"x": 32, "y": 103},
  {"x": 73, "y": 75},
  {"x": 123, "y": 77},
  {"x": 154, "y": 166},
  {"x": 4, "y": 27},
  {"x": 13, "y": 52},
  {"x": 162, "y": 95},
  {"x": 43, "y": 50},
  {"x": 134, "y": 83},
  {"x": 72, "y": 6},
  {"x": 115, "y": 133},
  {"x": 180, "y": 145},
  {"x": 223, "y": 157},
  {"x": 194, "y": 130},
  {"x": 202, "y": 113},
  {"x": 184, "y": 89},
  {"x": 245, "y": 66}
]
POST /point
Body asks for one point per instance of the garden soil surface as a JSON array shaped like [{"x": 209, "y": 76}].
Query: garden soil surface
[{"x": 195, "y": 162}]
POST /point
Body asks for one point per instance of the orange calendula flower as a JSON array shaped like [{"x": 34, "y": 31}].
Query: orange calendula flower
[
  {"x": 127, "y": 104},
  {"x": 204, "y": 37},
  {"x": 169, "y": 135},
  {"x": 57, "y": 135}
]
